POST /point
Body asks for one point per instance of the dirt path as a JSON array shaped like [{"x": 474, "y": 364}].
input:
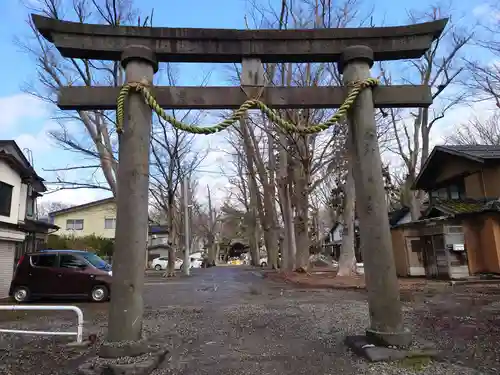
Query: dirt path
[{"x": 227, "y": 320}]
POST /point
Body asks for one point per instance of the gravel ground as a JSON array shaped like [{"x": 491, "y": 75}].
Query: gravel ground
[{"x": 226, "y": 320}]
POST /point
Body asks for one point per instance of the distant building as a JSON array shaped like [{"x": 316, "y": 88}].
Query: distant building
[{"x": 98, "y": 218}]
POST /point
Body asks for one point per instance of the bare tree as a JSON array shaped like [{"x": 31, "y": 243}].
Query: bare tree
[
  {"x": 439, "y": 68},
  {"x": 173, "y": 158},
  {"x": 477, "y": 132},
  {"x": 98, "y": 143},
  {"x": 484, "y": 77},
  {"x": 293, "y": 165},
  {"x": 247, "y": 187},
  {"x": 43, "y": 209}
]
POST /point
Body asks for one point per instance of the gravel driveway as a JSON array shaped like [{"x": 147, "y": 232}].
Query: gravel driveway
[{"x": 227, "y": 320}]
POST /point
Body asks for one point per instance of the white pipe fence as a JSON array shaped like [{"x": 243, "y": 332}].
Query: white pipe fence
[{"x": 77, "y": 310}]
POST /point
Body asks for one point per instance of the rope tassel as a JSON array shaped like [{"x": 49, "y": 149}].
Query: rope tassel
[{"x": 237, "y": 115}]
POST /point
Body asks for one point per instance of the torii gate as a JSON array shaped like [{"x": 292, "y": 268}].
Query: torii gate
[{"x": 141, "y": 48}]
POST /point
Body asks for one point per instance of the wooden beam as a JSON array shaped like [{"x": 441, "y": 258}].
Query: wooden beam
[
  {"x": 104, "y": 98},
  {"x": 103, "y": 42}
]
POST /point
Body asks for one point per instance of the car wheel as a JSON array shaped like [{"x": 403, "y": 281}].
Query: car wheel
[
  {"x": 99, "y": 293},
  {"x": 158, "y": 267},
  {"x": 21, "y": 294},
  {"x": 263, "y": 264}
]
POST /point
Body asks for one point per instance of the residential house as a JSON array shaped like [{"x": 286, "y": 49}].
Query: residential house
[
  {"x": 98, "y": 218},
  {"x": 333, "y": 241},
  {"x": 20, "y": 231},
  {"x": 458, "y": 234},
  {"x": 158, "y": 242}
]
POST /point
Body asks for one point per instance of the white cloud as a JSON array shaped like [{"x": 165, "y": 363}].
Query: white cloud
[
  {"x": 22, "y": 113},
  {"x": 18, "y": 110},
  {"x": 486, "y": 12},
  {"x": 38, "y": 143}
]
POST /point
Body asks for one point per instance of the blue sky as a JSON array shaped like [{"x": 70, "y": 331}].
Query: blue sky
[{"x": 26, "y": 119}]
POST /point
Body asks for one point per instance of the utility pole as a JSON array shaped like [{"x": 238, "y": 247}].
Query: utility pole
[{"x": 185, "y": 197}]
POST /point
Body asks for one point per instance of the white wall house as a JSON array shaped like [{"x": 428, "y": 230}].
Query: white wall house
[{"x": 19, "y": 188}]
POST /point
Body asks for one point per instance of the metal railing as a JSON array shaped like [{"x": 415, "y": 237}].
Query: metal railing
[{"x": 77, "y": 310}]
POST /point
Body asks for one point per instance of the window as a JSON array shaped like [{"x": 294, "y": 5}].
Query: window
[
  {"x": 455, "y": 191},
  {"x": 45, "y": 260},
  {"x": 5, "y": 198},
  {"x": 455, "y": 229},
  {"x": 30, "y": 207},
  {"x": 70, "y": 261},
  {"x": 416, "y": 247},
  {"x": 76, "y": 224},
  {"x": 96, "y": 261},
  {"x": 110, "y": 223}
]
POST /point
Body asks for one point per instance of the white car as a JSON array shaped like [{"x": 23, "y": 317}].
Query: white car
[
  {"x": 196, "y": 263},
  {"x": 162, "y": 262}
]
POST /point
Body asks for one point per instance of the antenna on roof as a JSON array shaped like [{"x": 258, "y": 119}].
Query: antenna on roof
[{"x": 29, "y": 156}]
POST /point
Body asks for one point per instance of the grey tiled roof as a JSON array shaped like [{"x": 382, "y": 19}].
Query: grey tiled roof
[{"x": 475, "y": 151}]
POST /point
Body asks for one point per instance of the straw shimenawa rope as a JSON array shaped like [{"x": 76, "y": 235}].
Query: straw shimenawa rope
[{"x": 273, "y": 116}]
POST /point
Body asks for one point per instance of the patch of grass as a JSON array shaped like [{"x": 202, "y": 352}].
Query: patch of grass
[{"x": 414, "y": 363}]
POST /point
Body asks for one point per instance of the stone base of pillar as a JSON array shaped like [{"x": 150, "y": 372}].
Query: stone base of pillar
[
  {"x": 398, "y": 339},
  {"x": 372, "y": 350},
  {"x": 135, "y": 358}
]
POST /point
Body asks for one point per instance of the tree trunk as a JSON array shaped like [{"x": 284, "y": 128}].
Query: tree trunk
[
  {"x": 171, "y": 248},
  {"x": 270, "y": 197},
  {"x": 252, "y": 235},
  {"x": 211, "y": 223},
  {"x": 288, "y": 249},
  {"x": 301, "y": 202},
  {"x": 256, "y": 204},
  {"x": 411, "y": 199},
  {"x": 347, "y": 259},
  {"x": 292, "y": 255},
  {"x": 217, "y": 250},
  {"x": 264, "y": 221},
  {"x": 265, "y": 203}
]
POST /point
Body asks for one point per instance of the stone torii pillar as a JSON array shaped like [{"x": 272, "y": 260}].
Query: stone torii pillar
[
  {"x": 126, "y": 311},
  {"x": 386, "y": 320}
]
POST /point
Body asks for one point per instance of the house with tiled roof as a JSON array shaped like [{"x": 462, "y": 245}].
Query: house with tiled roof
[
  {"x": 20, "y": 230},
  {"x": 458, "y": 234}
]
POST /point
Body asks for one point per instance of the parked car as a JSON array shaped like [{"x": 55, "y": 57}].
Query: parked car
[
  {"x": 61, "y": 273},
  {"x": 162, "y": 262},
  {"x": 196, "y": 262}
]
